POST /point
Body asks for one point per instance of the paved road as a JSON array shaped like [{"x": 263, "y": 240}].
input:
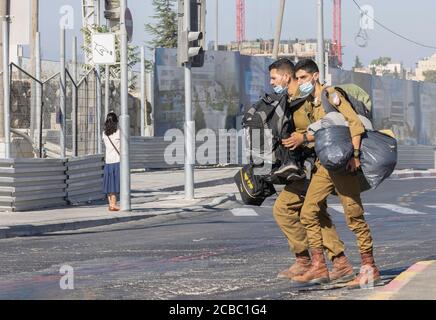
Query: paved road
[{"x": 224, "y": 254}]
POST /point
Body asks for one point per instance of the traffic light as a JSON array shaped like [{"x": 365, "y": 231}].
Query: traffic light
[
  {"x": 112, "y": 10},
  {"x": 191, "y": 43}
]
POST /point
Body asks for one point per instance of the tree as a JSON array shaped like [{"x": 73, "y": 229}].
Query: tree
[
  {"x": 382, "y": 61},
  {"x": 357, "y": 63},
  {"x": 165, "y": 28},
  {"x": 430, "y": 76}
]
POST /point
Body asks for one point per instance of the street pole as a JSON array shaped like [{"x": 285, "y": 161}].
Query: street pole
[
  {"x": 124, "y": 118},
  {"x": 143, "y": 103},
  {"x": 189, "y": 124},
  {"x": 34, "y": 28},
  {"x": 106, "y": 90},
  {"x": 98, "y": 84},
  {"x": 216, "y": 24},
  {"x": 63, "y": 100},
  {"x": 38, "y": 111},
  {"x": 74, "y": 98},
  {"x": 6, "y": 87},
  {"x": 4, "y": 12},
  {"x": 320, "y": 45},
  {"x": 278, "y": 33}
]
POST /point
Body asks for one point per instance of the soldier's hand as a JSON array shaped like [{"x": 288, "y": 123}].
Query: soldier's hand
[
  {"x": 353, "y": 165},
  {"x": 294, "y": 141}
]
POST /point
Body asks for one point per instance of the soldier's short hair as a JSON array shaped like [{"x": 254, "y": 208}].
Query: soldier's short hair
[
  {"x": 307, "y": 65},
  {"x": 284, "y": 65}
]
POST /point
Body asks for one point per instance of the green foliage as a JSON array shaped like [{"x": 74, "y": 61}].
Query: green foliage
[
  {"x": 132, "y": 51},
  {"x": 357, "y": 63},
  {"x": 382, "y": 61},
  {"x": 430, "y": 76},
  {"x": 164, "y": 30}
]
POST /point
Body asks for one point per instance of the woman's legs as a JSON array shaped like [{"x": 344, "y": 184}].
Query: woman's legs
[{"x": 112, "y": 198}]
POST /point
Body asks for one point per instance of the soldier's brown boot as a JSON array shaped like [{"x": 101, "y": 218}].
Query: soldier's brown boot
[
  {"x": 342, "y": 269},
  {"x": 368, "y": 275},
  {"x": 301, "y": 265},
  {"x": 318, "y": 272}
]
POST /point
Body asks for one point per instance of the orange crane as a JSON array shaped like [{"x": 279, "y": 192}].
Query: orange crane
[
  {"x": 240, "y": 21},
  {"x": 336, "y": 50}
]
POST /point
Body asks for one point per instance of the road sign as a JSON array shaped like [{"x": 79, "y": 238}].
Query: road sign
[
  {"x": 129, "y": 24},
  {"x": 103, "y": 48}
]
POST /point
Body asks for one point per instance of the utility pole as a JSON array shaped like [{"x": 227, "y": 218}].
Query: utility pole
[
  {"x": 4, "y": 11},
  {"x": 216, "y": 24},
  {"x": 124, "y": 118},
  {"x": 63, "y": 92},
  {"x": 320, "y": 45},
  {"x": 278, "y": 34},
  {"x": 98, "y": 84},
  {"x": 143, "y": 99},
  {"x": 34, "y": 28},
  {"x": 6, "y": 87}
]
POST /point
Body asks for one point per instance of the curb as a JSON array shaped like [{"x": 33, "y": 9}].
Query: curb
[
  {"x": 35, "y": 230},
  {"x": 204, "y": 184},
  {"x": 413, "y": 174},
  {"x": 400, "y": 281}
]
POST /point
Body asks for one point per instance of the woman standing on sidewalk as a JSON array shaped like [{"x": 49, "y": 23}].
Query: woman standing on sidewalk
[{"x": 111, "y": 181}]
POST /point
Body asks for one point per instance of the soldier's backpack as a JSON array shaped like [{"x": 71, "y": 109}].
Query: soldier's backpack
[
  {"x": 358, "y": 98},
  {"x": 266, "y": 123},
  {"x": 254, "y": 189}
]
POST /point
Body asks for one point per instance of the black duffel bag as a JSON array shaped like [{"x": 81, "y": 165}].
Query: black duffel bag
[
  {"x": 334, "y": 148},
  {"x": 254, "y": 189},
  {"x": 378, "y": 157}
]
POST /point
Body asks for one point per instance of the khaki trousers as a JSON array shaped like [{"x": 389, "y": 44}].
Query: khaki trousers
[
  {"x": 287, "y": 215},
  {"x": 348, "y": 190}
]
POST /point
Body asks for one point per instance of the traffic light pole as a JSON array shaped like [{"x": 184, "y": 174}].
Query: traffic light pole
[
  {"x": 124, "y": 118},
  {"x": 189, "y": 124},
  {"x": 320, "y": 45}
]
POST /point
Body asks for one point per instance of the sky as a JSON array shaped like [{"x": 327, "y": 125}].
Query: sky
[{"x": 415, "y": 21}]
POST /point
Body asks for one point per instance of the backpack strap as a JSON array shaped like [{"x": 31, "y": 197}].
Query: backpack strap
[{"x": 327, "y": 105}]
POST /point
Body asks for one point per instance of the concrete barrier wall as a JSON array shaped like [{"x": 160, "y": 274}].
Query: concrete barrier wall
[
  {"x": 27, "y": 184},
  {"x": 416, "y": 157},
  {"x": 149, "y": 152},
  {"x": 85, "y": 179}
]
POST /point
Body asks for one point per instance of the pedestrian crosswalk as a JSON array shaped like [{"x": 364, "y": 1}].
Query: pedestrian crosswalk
[
  {"x": 244, "y": 212},
  {"x": 371, "y": 209}
]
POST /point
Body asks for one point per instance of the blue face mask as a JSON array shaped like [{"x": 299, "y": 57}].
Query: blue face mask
[
  {"x": 279, "y": 89},
  {"x": 307, "y": 88}
]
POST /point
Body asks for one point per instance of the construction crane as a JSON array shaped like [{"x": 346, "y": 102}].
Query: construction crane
[
  {"x": 336, "y": 50},
  {"x": 240, "y": 21}
]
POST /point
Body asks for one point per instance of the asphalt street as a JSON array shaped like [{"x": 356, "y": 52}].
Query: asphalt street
[{"x": 231, "y": 253}]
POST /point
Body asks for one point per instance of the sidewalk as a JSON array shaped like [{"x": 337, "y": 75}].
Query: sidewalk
[
  {"x": 153, "y": 193},
  {"x": 416, "y": 283}
]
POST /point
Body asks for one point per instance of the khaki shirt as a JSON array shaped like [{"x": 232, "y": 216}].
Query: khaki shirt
[{"x": 356, "y": 126}]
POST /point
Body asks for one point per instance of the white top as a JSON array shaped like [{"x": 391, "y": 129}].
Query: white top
[{"x": 112, "y": 155}]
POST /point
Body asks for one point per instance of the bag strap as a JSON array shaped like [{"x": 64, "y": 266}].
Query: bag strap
[
  {"x": 113, "y": 145},
  {"x": 328, "y": 107}
]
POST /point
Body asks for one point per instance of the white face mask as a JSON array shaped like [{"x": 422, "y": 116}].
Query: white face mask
[{"x": 307, "y": 88}]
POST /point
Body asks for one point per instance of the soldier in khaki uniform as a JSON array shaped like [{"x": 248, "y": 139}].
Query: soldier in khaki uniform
[
  {"x": 323, "y": 183},
  {"x": 290, "y": 201}
]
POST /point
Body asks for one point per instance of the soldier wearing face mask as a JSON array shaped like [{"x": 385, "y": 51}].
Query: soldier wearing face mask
[
  {"x": 290, "y": 201},
  {"x": 323, "y": 183}
]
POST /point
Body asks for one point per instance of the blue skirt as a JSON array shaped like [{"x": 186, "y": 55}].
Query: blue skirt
[{"x": 111, "y": 179}]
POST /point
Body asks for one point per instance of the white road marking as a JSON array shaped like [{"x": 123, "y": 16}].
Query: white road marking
[
  {"x": 432, "y": 207},
  {"x": 395, "y": 208},
  {"x": 244, "y": 212},
  {"x": 339, "y": 208}
]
